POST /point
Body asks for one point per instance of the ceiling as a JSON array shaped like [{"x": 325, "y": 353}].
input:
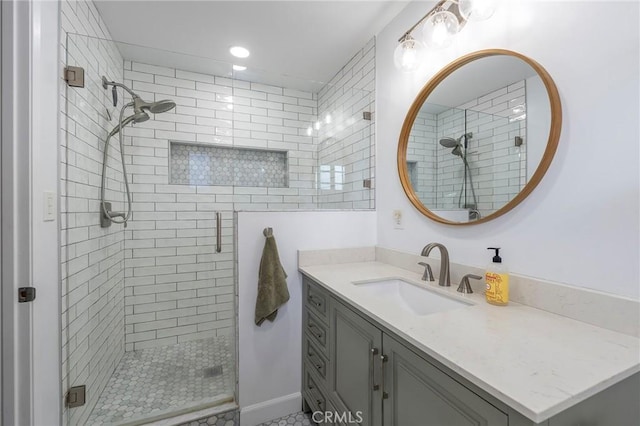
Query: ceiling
[
  {"x": 298, "y": 44},
  {"x": 476, "y": 79}
]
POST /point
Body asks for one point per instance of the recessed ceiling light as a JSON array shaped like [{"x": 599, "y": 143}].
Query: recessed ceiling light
[
  {"x": 239, "y": 68},
  {"x": 239, "y": 52}
]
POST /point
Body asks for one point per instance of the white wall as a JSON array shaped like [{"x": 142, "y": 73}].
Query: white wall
[
  {"x": 581, "y": 224},
  {"x": 270, "y": 355}
]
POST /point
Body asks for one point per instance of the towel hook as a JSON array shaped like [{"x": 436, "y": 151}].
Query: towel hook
[{"x": 268, "y": 232}]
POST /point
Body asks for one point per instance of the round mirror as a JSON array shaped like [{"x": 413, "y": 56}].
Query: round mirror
[{"x": 479, "y": 137}]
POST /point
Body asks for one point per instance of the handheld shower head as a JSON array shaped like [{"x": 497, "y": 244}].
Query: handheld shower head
[
  {"x": 137, "y": 117},
  {"x": 457, "y": 150}
]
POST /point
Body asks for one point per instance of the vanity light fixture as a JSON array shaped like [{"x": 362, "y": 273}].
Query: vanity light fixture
[
  {"x": 438, "y": 27},
  {"x": 239, "y": 68}
]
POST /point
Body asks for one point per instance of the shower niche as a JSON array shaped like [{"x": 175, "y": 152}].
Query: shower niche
[
  {"x": 149, "y": 310},
  {"x": 192, "y": 164}
]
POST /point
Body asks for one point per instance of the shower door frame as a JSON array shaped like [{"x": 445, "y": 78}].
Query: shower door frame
[
  {"x": 16, "y": 390},
  {"x": 30, "y": 79}
]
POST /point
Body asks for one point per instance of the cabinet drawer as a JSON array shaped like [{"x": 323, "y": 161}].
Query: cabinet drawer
[
  {"x": 316, "y": 360},
  {"x": 313, "y": 394},
  {"x": 316, "y": 331},
  {"x": 316, "y": 299}
]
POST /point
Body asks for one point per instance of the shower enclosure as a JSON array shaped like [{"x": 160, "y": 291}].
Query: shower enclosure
[
  {"x": 149, "y": 310},
  {"x": 465, "y": 163}
]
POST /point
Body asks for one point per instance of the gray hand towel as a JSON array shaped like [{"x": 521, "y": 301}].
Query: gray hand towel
[{"x": 272, "y": 282}]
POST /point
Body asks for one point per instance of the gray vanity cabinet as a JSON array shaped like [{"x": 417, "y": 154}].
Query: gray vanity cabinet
[
  {"x": 354, "y": 366},
  {"x": 355, "y": 346},
  {"x": 419, "y": 394}
]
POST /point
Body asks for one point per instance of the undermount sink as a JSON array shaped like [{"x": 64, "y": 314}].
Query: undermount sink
[{"x": 405, "y": 295}]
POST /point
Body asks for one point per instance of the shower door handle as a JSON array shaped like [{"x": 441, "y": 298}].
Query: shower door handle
[{"x": 218, "y": 232}]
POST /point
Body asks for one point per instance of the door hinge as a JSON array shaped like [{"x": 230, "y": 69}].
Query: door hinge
[
  {"x": 26, "y": 294},
  {"x": 76, "y": 396},
  {"x": 74, "y": 76}
]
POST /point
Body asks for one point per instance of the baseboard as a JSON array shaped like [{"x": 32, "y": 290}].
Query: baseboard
[{"x": 268, "y": 410}]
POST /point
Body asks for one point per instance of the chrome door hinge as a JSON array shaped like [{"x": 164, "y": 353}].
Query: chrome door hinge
[
  {"x": 74, "y": 76},
  {"x": 26, "y": 294},
  {"x": 76, "y": 396}
]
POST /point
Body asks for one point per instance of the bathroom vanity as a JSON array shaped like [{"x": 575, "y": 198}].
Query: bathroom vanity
[{"x": 385, "y": 362}]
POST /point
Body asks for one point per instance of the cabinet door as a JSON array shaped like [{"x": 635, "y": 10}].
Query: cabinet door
[
  {"x": 419, "y": 394},
  {"x": 354, "y": 347}
]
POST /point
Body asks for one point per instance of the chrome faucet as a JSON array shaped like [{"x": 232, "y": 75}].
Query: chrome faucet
[{"x": 445, "y": 278}]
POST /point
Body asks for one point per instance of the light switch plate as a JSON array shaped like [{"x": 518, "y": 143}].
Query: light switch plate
[
  {"x": 49, "y": 206},
  {"x": 397, "y": 219}
]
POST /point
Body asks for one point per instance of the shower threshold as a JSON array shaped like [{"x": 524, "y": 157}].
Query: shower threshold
[{"x": 157, "y": 383}]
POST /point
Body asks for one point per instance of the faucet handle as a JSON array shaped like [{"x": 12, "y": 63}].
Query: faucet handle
[
  {"x": 465, "y": 286},
  {"x": 428, "y": 273}
]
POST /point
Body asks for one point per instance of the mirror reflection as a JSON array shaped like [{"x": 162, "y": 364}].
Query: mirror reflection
[{"x": 478, "y": 138}]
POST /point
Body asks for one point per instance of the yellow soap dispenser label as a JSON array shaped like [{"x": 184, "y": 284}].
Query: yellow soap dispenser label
[{"x": 497, "y": 288}]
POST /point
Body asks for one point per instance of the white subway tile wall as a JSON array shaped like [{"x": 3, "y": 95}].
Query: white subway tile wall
[
  {"x": 421, "y": 157},
  {"x": 178, "y": 288},
  {"x": 346, "y": 139},
  {"x": 92, "y": 257},
  {"x": 497, "y": 165}
]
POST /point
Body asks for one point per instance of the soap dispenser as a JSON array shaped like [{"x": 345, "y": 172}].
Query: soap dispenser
[{"x": 497, "y": 280}]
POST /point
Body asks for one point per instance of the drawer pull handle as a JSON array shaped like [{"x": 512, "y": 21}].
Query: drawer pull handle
[
  {"x": 312, "y": 300},
  {"x": 372, "y": 361},
  {"x": 319, "y": 334}
]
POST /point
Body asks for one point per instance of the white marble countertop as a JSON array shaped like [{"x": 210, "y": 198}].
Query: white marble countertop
[{"x": 536, "y": 362}]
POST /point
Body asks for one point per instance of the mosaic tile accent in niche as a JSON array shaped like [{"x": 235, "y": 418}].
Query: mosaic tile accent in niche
[{"x": 215, "y": 165}]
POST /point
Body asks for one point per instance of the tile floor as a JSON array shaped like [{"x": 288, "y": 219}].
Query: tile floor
[
  {"x": 151, "y": 381},
  {"x": 230, "y": 418},
  {"x": 296, "y": 419}
]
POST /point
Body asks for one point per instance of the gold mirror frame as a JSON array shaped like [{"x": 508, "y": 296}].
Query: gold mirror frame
[{"x": 545, "y": 162}]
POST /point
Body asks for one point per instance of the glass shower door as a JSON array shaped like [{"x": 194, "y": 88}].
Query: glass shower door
[{"x": 148, "y": 309}]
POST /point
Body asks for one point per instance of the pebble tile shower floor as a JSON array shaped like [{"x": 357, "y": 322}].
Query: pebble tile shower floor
[{"x": 151, "y": 381}]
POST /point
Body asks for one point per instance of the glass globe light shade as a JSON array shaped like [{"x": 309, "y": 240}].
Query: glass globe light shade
[
  {"x": 440, "y": 29},
  {"x": 408, "y": 55},
  {"x": 477, "y": 10}
]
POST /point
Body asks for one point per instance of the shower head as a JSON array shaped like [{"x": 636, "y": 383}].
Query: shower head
[
  {"x": 162, "y": 106},
  {"x": 154, "y": 107},
  {"x": 448, "y": 142}
]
